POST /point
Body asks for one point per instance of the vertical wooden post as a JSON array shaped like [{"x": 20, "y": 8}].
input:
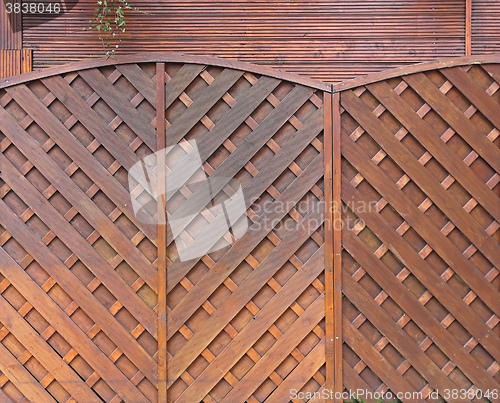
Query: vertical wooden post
[
  {"x": 468, "y": 27},
  {"x": 333, "y": 248},
  {"x": 329, "y": 313},
  {"x": 162, "y": 233},
  {"x": 337, "y": 248}
]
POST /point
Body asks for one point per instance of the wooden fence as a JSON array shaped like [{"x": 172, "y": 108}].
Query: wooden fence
[
  {"x": 392, "y": 287},
  {"x": 421, "y": 212}
]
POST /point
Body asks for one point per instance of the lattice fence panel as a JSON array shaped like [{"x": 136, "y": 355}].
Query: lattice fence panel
[
  {"x": 246, "y": 323},
  {"x": 420, "y": 174},
  {"x": 80, "y": 314},
  {"x": 78, "y": 269}
]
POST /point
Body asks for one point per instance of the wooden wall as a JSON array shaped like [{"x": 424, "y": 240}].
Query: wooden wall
[
  {"x": 485, "y": 22},
  {"x": 13, "y": 58},
  {"x": 324, "y": 39}
]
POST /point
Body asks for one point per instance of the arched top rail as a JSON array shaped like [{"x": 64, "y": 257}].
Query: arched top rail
[
  {"x": 165, "y": 58},
  {"x": 415, "y": 68},
  {"x": 257, "y": 69}
]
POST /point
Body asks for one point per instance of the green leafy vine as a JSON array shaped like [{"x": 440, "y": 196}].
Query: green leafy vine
[{"x": 109, "y": 22}]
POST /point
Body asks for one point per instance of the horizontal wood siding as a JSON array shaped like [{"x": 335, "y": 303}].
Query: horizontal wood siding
[
  {"x": 327, "y": 40},
  {"x": 485, "y": 23}
]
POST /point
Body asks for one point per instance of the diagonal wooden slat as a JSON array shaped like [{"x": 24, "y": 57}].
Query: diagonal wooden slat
[
  {"x": 224, "y": 128},
  {"x": 22, "y": 379},
  {"x": 82, "y": 296},
  {"x": 274, "y": 356},
  {"x": 216, "y": 107},
  {"x": 242, "y": 248},
  {"x": 354, "y": 382},
  {"x": 493, "y": 70},
  {"x": 481, "y": 100},
  {"x": 140, "y": 80},
  {"x": 69, "y": 330},
  {"x": 285, "y": 156},
  {"x": 301, "y": 374},
  {"x": 252, "y": 332},
  {"x": 244, "y": 152},
  {"x": 424, "y": 133},
  {"x": 208, "y": 98},
  {"x": 88, "y": 255},
  {"x": 376, "y": 361},
  {"x": 398, "y": 338},
  {"x": 5, "y": 398},
  {"x": 407, "y": 259},
  {"x": 425, "y": 284},
  {"x": 455, "y": 118},
  {"x": 421, "y": 223},
  {"x": 120, "y": 105},
  {"x": 37, "y": 346},
  {"x": 77, "y": 198},
  {"x": 91, "y": 121},
  {"x": 181, "y": 80},
  {"x": 449, "y": 206},
  {"x": 422, "y": 270},
  {"x": 289, "y": 244},
  {"x": 410, "y": 304},
  {"x": 254, "y": 189},
  {"x": 113, "y": 143}
]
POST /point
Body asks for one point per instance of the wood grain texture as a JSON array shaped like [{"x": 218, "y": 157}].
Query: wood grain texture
[
  {"x": 76, "y": 259},
  {"x": 468, "y": 27},
  {"x": 329, "y": 230},
  {"x": 15, "y": 61},
  {"x": 88, "y": 289},
  {"x": 420, "y": 200},
  {"x": 337, "y": 245},
  {"x": 330, "y": 41},
  {"x": 484, "y": 19}
]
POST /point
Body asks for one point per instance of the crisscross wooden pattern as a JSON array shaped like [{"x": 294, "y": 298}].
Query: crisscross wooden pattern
[
  {"x": 245, "y": 323},
  {"x": 78, "y": 270},
  {"x": 96, "y": 305},
  {"x": 80, "y": 313},
  {"x": 421, "y": 212}
]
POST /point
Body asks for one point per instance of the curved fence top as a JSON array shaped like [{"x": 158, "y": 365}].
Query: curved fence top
[
  {"x": 165, "y": 58},
  {"x": 415, "y": 68},
  {"x": 263, "y": 70}
]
